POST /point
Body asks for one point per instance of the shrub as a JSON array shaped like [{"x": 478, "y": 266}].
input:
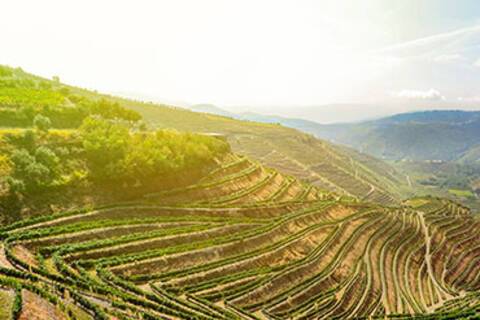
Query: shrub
[
  {"x": 42, "y": 123},
  {"x": 15, "y": 185},
  {"x": 33, "y": 172}
]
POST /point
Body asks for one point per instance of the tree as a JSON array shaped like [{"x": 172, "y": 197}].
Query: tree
[
  {"x": 21, "y": 159},
  {"x": 33, "y": 173},
  {"x": 15, "y": 185},
  {"x": 105, "y": 143},
  {"x": 38, "y": 176},
  {"x": 48, "y": 158},
  {"x": 42, "y": 123}
]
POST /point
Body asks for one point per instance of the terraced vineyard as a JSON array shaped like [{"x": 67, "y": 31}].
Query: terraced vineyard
[
  {"x": 244, "y": 243},
  {"x": 292, "y": 152}
]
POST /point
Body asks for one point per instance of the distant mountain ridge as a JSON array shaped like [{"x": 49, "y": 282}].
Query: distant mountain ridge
[
  {"x": 427, "y": 135},
  {"x": 447, "y": 135}
]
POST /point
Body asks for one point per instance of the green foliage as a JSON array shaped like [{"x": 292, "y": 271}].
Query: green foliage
[
  {"x": 462, "y": 193},
  {"x": 47, "y": 157},
  {"x": 33, "y": 172},
  {"x": 42, "y": 123},
  {"x": 109, "y": 110},
  {"x": 15, "y": 185},
  {"x": 105, "y": 144},
  {"x": 18, "y": 97},
  {"x": 24, "y": 97},
  {"x": 113, "y": 152},
  {"x": 17, "y": 304},
  {"x": 25, "y": 140}
]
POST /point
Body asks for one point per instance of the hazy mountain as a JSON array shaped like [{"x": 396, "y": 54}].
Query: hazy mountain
[
  {"x": 210, "y": 108},
  {"x": 428, "y": 135}
]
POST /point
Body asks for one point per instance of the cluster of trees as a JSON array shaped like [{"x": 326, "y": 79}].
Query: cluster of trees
[
  {"x": 103, "y": 151},
  {"x": 113, "y": 152},
  {"x": 34, "y": 165},
  {"x": 33, "y": 171},
  {"x": 35, "y": 159},
  {"x": 60, "y": 115},
  {"x": 110, "y": 144},
  {"x": 21, "y": 98}
]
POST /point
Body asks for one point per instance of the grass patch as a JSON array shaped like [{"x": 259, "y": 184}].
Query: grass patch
[
  {"x": 461, "y": 193},
  {"x": 415, "y": 203}
]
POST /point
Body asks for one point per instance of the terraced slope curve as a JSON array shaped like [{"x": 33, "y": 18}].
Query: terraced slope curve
[
  {"x": 244, "y": 243},
  {"x": 292, "y": 152},
  {"x": 335, "y": 168}
]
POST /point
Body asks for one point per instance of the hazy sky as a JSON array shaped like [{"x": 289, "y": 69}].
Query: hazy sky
[{"x": 262, "y": 55}]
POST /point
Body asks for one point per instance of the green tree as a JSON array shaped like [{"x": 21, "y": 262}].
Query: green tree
[
  {"x": 105, "y": 143},
  {"x": 15, "y": 185},
  {"x": 42, "y": 123},
  {"x": 33, "y": 172},
  {"x": 48, "y": 158}
]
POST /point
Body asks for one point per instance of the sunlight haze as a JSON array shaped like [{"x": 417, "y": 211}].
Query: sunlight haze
[{"x": 264, "y": 56}]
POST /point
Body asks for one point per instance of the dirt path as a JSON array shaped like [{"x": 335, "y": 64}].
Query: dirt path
[
  {"x": 428, "y": 261},
  {"x": 409, "y": 181},
  {"x": 372, "y": 190}
]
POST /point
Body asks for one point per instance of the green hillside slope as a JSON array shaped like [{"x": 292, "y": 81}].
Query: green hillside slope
[
  {"x": 245, "y": 243},
  {"x": 325, "y": 165},
  {"x": 127, "y": 222}
]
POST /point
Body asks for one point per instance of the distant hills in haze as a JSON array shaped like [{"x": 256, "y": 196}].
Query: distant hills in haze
[
  {"x": 450, "y": 135},
  {"x": 447, "y": 135}
]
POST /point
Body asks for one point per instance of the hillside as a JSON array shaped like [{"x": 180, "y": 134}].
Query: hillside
[
  {"x": 326, "y": 165},
  {"x": 244, "y": 243},
  {"x": 109, "y": 213},
  {"x": 437, "y": 151},
  {"x": 449, "y": 135},
  {"x": 418, "y": 136},
  {"x": 77, "y": 150}
]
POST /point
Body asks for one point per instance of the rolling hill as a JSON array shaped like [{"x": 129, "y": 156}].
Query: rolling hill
[
  {"x": 115, "y": 219},
  {"x": 418, "y": 136},
  {"x": 326, "y": 165},
  {"x": 446, "y": 135},
  {"x": 244, "y": 243},
  {"x": 437, "y": 150}
]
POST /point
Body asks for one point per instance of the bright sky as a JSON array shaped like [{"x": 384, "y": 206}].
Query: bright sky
[{"x": 267, "y": 56}]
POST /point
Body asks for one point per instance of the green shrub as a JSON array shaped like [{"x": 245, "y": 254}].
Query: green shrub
[{"x": 42, "y": 123}]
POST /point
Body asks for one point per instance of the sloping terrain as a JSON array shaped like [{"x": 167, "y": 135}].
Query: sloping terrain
[
  {"x": 126, "y": 222},
  {"x": 321, "y": 163},
  {"x": 244, "y": 243},
  {"x": 292, "y": 152},
  {"x": 417, "y": 136}
]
